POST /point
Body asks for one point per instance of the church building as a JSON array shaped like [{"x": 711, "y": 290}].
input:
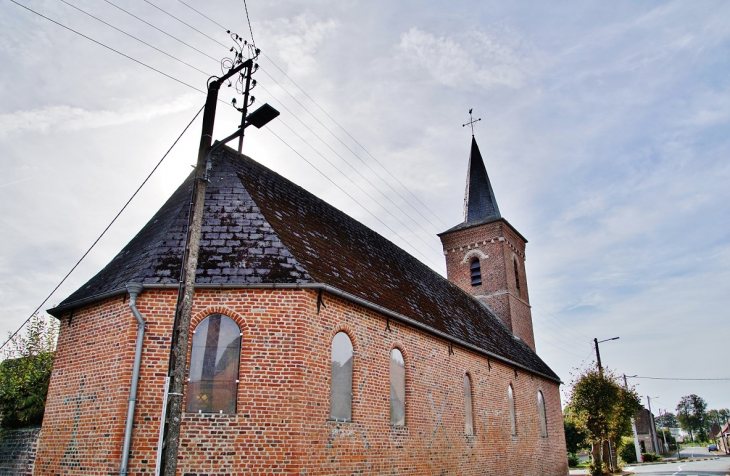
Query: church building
[{"x": 317, "y": 347}]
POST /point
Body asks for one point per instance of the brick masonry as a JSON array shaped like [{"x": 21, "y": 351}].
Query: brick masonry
[
  {"x": 281, "y": 425},
  {"x": 18, "y": 451},
  {"x": 497, "y": 246}
]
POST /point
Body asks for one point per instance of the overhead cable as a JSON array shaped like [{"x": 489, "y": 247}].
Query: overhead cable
[
  {"x": 134, "y": 37},
  {"x": 338, "y": 125},
  {"x": 186, "y": 24},
  {"x": 345, "y": 192},
  {"x": 109, "y": 48}
]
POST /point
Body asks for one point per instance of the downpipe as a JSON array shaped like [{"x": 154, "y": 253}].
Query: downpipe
[{"x": 134, "y": 289}]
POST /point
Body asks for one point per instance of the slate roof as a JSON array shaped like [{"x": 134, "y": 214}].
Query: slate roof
[
  {"x": 259, "y": 227},
  {"x": 479, "y": 200}
]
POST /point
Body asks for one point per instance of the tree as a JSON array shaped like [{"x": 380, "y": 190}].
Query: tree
[
  {"x": 691, "y": 414},
  {"x": 603, "y": 407},
  {"x": 25, "y": 373},
  {"x": 667, "y": 420},
  {"x": 576, "y": 437}
]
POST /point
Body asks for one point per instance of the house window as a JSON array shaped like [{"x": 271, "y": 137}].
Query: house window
[
  {"x": 517, "y": 277},
  {"x": 468, "y": 408},
  {"x": 542, "y": 414},
  {"x": 476, "y": 272},
  {"x": 341, "y": 383},
  {"x": 512, "y": 420},
  {"x": 214, "y": 362},
  {"x": 397, "y": 388}
]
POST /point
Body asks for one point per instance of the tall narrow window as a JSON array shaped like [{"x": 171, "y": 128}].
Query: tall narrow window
[
  {"x": 517, "y": 277},
  {"x": 214, "y": 362},
  {"x": 341, "y": 382},
  {"x": 476, "y": 272},
  {"x": 468, "y": 408},
  {"x": 543, "y": 415},
  {"x": 397, "y": 388},
  {"x": 512, "y": 418}
]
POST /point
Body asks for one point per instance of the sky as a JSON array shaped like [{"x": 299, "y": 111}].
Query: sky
[{"x": 604, "y": 130}]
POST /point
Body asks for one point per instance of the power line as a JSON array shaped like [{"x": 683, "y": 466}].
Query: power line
[
  {"x": 207, "y": 17},
  {"x": 171, "y": 77},
  {"x": 544, "y": 321},
  {"x": 308, "y": 128},
  {"x": 579, "y": 334},
  {"x": 315, "y": 118},
  {"x": 249, "y": 22},
  {"x": 160, "y": 30},
  {"x": 354, "y": 140},
  {"x": 105, "y": 229},
  {"x": 134, "y": 37},
  {"x": 356, "y": 156},
  {"x": 338, "y": 125},
  {"x": 109, "y": 48},
  {"x": 345, "y": 192},
  {"x": 557, "y": 346},
  {"x": 678, "y": 378},
  {"x": 356, "y": 171},
  {"x": 357, "y": 185},
  {"x": 186, "y": 24}
]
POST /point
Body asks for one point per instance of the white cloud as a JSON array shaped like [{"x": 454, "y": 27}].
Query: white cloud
[
  {"x": 71, "y": 118},
  {"x": 474, "y": 59},
  {"x": 296, "y": 41}
]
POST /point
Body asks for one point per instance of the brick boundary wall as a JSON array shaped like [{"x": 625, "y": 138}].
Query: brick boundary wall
[{"x": 18, "y": 451}]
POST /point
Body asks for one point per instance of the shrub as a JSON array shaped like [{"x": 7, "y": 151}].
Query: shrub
[
  {"x": 627, "y": 453},
  {"x": 25, "y": 373},
  {"x": 650, "y": 457},
  {"x": 573, "y": 460}
]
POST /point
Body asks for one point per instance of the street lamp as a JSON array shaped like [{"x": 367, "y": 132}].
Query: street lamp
[{"x": 598, "y": 354}]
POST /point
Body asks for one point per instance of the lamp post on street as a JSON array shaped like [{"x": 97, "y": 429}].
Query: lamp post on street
[{"x": 598, "y": 353}]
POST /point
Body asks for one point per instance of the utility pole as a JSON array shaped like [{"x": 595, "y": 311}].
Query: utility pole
[
  {"x": 664, "y": 435},
  {"x": 637, "y": 447},
  {"x": 652, "y": 427},
  {"x": 186, "y": 290}
]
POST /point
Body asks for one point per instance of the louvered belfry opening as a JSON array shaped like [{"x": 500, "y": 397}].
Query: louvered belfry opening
[{"x": 476, "y": 273}]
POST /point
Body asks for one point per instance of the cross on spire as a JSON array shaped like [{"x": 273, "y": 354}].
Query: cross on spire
[{"x": 471, "y": 122}]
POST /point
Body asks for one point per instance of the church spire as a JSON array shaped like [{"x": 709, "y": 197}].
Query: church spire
[{"x": 479, "y": 200}]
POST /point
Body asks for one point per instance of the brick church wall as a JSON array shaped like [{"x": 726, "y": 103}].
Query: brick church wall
[
  {"x": 281, "y": 425},
  {"x": 18, "y": 450}
]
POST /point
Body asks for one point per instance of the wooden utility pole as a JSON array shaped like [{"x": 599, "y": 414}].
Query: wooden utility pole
[{"x": 181, "y": 328}]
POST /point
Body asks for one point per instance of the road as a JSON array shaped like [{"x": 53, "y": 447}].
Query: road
[{"x": 713, "y": 467}]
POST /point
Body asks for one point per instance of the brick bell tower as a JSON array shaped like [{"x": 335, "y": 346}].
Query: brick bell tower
[{"x": 485, "y": 255}]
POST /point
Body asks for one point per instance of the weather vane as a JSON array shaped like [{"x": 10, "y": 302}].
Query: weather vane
[{"x": 471, "y": 122}]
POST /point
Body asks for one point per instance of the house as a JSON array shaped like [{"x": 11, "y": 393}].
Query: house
[
  {"x": 646, "y": 432},
  {"x": 316, "y": 345}
]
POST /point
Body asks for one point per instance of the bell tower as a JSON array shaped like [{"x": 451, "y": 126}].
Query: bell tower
[{"x": 485, "y": 255}]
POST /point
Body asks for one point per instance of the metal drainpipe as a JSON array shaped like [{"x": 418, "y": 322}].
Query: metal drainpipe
[{"x": 134, "y": 289}]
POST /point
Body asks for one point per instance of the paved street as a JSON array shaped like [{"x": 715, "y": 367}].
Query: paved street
[{"x": 712, "y": 467}]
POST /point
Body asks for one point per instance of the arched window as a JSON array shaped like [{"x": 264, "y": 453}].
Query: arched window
[
  {"x": 214, "y": 362},
  {"x": 468, "y": 408},
  {"x": 476, "y": 272},
  {"x": 397, "y": 388},
  {"x": 543, "y": 415},
  {"x": 517, "y": 277},
  {"x": 512, "y": 418},
  {"x": 341, "y": 382}
]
